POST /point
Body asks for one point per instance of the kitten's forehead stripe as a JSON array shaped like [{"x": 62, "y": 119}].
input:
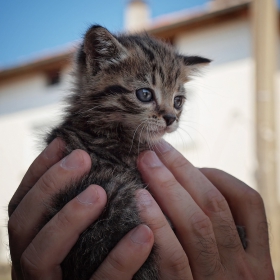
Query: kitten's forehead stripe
[
  {"x": 177, "y": 74},
  {"x": 161, "y": 57},
  {"x": 153, "y": 79},
  {"x": 147, "y": 51},
  {"x": 161, "y": 74},
  {"x": 158, "y": 96}
]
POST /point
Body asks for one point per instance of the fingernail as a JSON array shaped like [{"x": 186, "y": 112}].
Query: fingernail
[
  {"x": 89, "y": 195},
  {"x": 150, "y": 159},
  {"x": 163, "y": 146},
  {"x": 141, "y": 234},
  {"x": 72, "y": 161},
  {"x": 144, "y": 198},
  {"x": 52, "y": 149}
]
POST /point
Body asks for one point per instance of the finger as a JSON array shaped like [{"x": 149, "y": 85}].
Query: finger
[
  {"x": 207, "y": 196},
  {"x": 128, "y": 255},
  {"x": 173, "y": 262},
  {"x": 247, "y": 207},
  {"x": 42, "y": 258},
  {"x": 25, "y": 220},
  {"x": 192, "y": 227},
  {"x": 51, "y": 155}
]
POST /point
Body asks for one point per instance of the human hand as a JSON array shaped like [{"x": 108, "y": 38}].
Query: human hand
[
  {"x": 204, "y": 206},
  {"x": 37, "y": 254}
]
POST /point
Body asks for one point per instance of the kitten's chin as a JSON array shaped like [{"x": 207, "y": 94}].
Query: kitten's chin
[
  {"x": 170, "y": 129},
  {"x": 153, "y": 136}
]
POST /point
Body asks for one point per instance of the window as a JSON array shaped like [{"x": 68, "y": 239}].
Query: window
[{"x": 53, "y": 77}]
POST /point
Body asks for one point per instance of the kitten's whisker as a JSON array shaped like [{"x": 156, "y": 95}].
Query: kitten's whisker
[
  {"x": 195, "y": 146},
  {"x": 152, "y": 146},
  {"x": 197, "y": 131},
  {"x": 148, "y": 135},
  {"x": 135, "y": 134},
  {"x": 140, "y": 136},
  {"x": 147, "y": 131},
  {"x": 183, "y": 139}
]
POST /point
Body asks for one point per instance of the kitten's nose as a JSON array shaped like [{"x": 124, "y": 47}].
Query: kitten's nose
[{"x": 169, "y": 119}]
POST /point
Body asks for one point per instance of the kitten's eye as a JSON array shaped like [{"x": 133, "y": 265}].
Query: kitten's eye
[
  {"x": 178, "y": 102},
  {"x": 144, "y": 94}
]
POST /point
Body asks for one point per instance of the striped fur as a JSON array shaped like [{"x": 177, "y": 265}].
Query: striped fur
[{"x": 105, "y": 118}]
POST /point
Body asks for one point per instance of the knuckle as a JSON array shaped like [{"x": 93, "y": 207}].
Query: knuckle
[
  {"x": 149, "y": 211},
  {"x": 212, "y": 266},
  {"x": 208, "y": 171},
  {"x": 229, "y": 238},
  {"x": 47, "y": 183},
  {"x": 263, "y": 233},
  {"x": 171, "y": 188},
  {"x": 243, "y": 269},
  {"x": 215, "y": 202},
  {"x": 30, "y": 262},
  {"x": 214, "y": 171},
  {"x": 27, "y": 264},
  {"x": 33, "y": 173},
  {"x": 158, "y": 224},
  {"x": 254, "y": 198},
  {"x": 205, "y": 243},
  {"x": 15, "y": 227},
  {"x": 180, "y": 163},
  {"x": 201, "y": 224},
  {"x": 116, "y": 262},
  {"x": 12, "y": 207},
  {"x": 169, "y": 183},
  {"x": 179, "y": 263},
  {"x": 62, "y": 220},
  {"x": 208, "y": 256},
  {"x": 225, "y": 228}
]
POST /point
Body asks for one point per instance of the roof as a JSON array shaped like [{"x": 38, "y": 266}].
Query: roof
[
  {"x": 165, "y": 27},
  {"x": 43, "y": 63}
]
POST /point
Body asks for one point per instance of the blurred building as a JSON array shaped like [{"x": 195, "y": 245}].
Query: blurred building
[{"x": 218, "y": 129}]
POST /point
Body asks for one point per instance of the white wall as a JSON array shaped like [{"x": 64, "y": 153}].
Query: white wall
[
  {"x": 223, "y": 127},
  {"x": 223, "y": 43},
  {"x": 27, "y": 107},
  {"x": 222, "y": 99},
  {"x": 31, "y": 91},
  {"x": 21, "y": 135},
  {"x": 277, "y": 107}
]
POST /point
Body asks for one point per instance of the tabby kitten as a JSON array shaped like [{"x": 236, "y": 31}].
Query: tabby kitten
[{"x": 129, "y": 91}]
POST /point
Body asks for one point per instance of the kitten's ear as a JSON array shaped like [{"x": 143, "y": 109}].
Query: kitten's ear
[
  {"x": 102, "y": 48},
  {"x": 194, "y": 64}
]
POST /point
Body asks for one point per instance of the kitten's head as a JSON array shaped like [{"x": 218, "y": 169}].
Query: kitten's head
[{"x": 131, "y": 81}]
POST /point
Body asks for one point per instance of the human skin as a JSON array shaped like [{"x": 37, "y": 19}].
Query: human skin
[{"x": 203, "y": 205}]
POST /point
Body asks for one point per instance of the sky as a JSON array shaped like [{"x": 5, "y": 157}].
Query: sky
[{"x": 31, "y": 28}]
